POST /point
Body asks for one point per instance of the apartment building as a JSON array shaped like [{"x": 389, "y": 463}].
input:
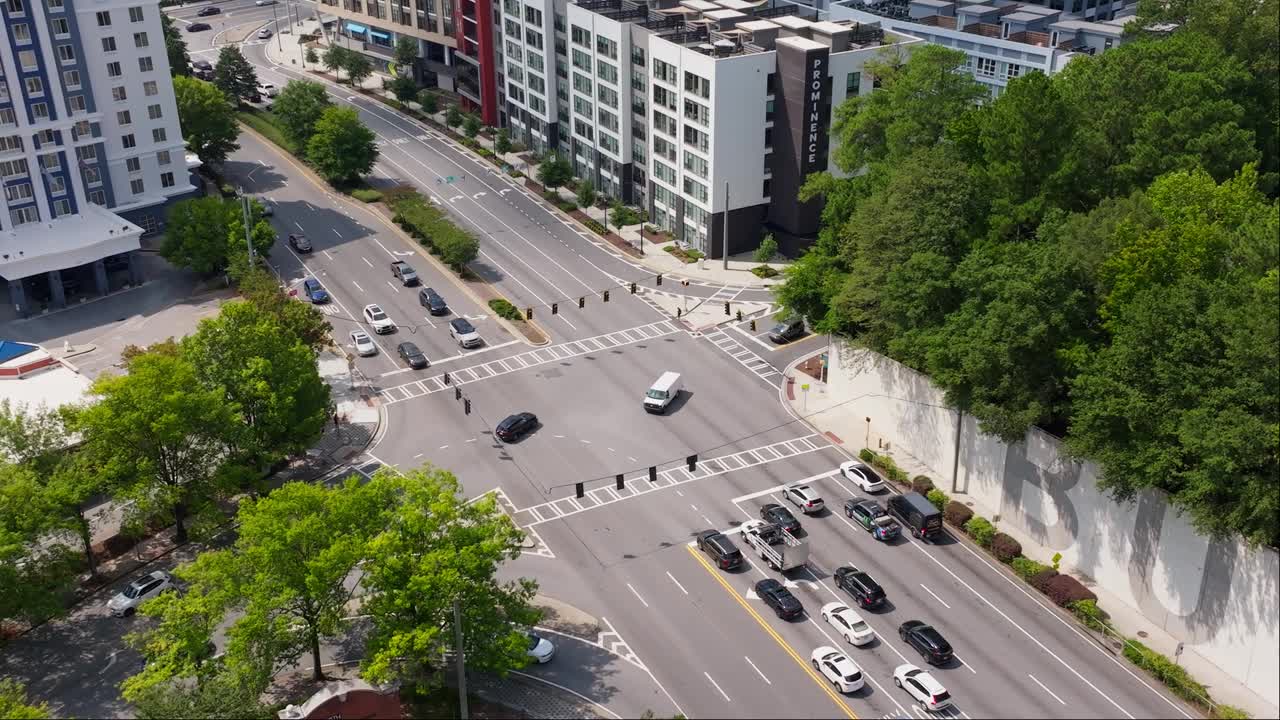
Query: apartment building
[
  {"x": 1002, "y": 39},
  {"x": 90, "y": 148},
  {"x": 709, "y": 114},
  {"x": 455, "y": 40}
]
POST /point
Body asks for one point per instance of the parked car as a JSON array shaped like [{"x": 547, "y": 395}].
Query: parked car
[
  {"x": 836, "y": 667},
  {"x": 927, "y": 641},
  {"x": 848, "y": 623},
  {"x": 127, "y": 601},
  {"x": 872, "y": 518},
  {"x": 267, "y": 89},
  {"x": 198, "y": 27},
  {"x": 208, "y": 10},
  {"x": 404, "y": 273},
  {"x": 780, "y": 516},
  {"x": 431, "y": 300},
  {"x": 720, "y": 549},
  {"x": 315, "y": 291},
  {"x": 858, "y": 473},
  {"x": 412, "y": 356},
  {"x": 299, "y": 242},
  {"x": 922, "y": 687},
  {"x": 461, "y": 330},
  {"x": 861, "y": 586},
  {"x": 786, "y": 331},
  {"x": 266, "y": 209},
  {"x": 513, "y": 427},
  {"x": 374, "y": 315},
  {"x": 540, "y": 648},
  {"x": 202, "y": 69},
  {"x": 784, "y": 604},
  {"x": 364, "y": 344},
  {"x": 805, "y": 498},
  {"x": 264, "y": 34}
]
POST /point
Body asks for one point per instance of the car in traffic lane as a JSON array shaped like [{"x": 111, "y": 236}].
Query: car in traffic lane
[
  {"x": 858, "y": 473},
  {"x": 464, "y": 333},
  {"x": 780, "y": 516},
  {"x": 364, "y": 344},
  {"x": 378, "y": 319},
  {"x": 513, "y": 427},
  {"x": 848, "y": 623},
  {"x": 922, "y": 687},
  {"x": 779, "y": 599},
  {"x": 412, "y": 356},
  {"x": 720, "y": 549},
  {"x": 872, "y": 518},
  {"x": 805, "y": 498},
  {"x": 837, "y": 668},
  {"x": 299, "y": 242},
  {"x": 927, "y": 641},
  {"x": 432, "y": 301},
  {"x": 198, "y": 27},
  {"x": 540, "y": 649},
  {"x": 315, "y": 291},
  {"x": 861, "y": 586},
  {"x": 208, "y": 10},
  {"x": 126, "y": 602}
]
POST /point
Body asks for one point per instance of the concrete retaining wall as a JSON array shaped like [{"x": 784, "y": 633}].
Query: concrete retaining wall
[{"x": 1219, "y": 597}]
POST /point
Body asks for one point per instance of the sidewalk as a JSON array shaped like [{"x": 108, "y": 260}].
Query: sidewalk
[
  {"x": 845, "y": 425},
  {"x": 286, "y": 50}
]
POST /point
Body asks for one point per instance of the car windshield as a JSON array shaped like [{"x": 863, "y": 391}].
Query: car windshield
[
  {"x": 133, "y": 591},
  {"x": 779, "y": 328},
  {"x": 533, "y": 641},
  {"x": 656, "y": 394},
  {"x": 377, "y": 314}
]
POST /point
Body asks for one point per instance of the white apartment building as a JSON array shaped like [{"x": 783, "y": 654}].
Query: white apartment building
[
  {"x": 90, "y": 147},
  {"x": 709, "y": 114},
  {"x": 1002, "y": 39}
]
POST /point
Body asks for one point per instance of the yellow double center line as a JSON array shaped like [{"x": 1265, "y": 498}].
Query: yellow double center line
[{"x": 822, "y": 682}]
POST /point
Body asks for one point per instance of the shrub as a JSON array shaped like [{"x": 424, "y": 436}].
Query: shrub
[
  {"x": 595, "y": 227},
  {"x": 504, "y": 309},
  {"x": 433, "y": 229},
  {"x": 866, "y": 456},
  {"x": 368, "y": 195},
  {"x": 1088, "y": 612},
  {"x": 1064, "y": 590},
  {"x": 957, "y": 514},
  {"x": 228, "y": 190},
  {"x": 1026, "y": 568},
  {"x": 1040, "y": 580},
  {"x": 981, "y": 530},
  {"x": 764, "y": 272},
  {"x": 1228, "y": 712},
  {"x": 1005, "y": 548},
  {"x": 921, "y": 484},
  {"x": 1166, "y": 671},
  {"x": 767, "y": 249},
  {"x": 938, "y": 498}
]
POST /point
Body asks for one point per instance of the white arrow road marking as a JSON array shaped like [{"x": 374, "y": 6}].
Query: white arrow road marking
[
  {"x": 751, "y": 594},
  {"x": 479, "y": 195},
  {"x": 434, "y": 199},
  {"x": 504, "y": 191},
  {"x": 472, "y": 317},
  {"x": 456, "y": 198},
  {"x": 398, "y": 253}
]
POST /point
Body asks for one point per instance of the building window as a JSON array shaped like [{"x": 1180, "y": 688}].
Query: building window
[
  {"x": 697, "y": 85},
  {"x": 140, "y": 40},
  {"x": 765, "y": 190},
  {"x": 18, "y": 192},
  {"x": 664, "y": 148},
  {"x": 533, "y": 39},
  {"x": 92, "y": 177},
  {"x": 24, "y": 215},
  {"x": 57, "y": 185},
  {"x": 108, "y": 44},
  {"x": 54, "y": 5},
  {"x": 695, "y": 190},
  {"x": 695, "y": 138},
  {"x": 13, "y": 168},
  {"x": 986, "y": 67},
  {"x": 71, "y": 79},
  {"x": 162, "y": 157},
  {"x": 87, "y": 153},
  {"x": 533, "y": 16},
  {"x": 35, "y": 87},
  {"x": 580, "y": 36},
  {"x": 697, "y": 112},
  {"x": 1012, "y": 70},
  {"x": 853, "y": 83},
  {"x": 27, "y": 60},
  {"x": 7, "y": 117},
  {"x": 607, "y": 72},
  {"x": 136, "y": 186},
  {"x": 60, "y": 27},
  {"x": 145, "y": 64},
  {"x": 150, "y": 89},
  {"x": 67, "y": 54},
  {"x": 98, "y": 197},
  {"x": 104, "y": 18},
  {"x": 61, "y": 207},
  {"x": 113, "y": 70},
  {"x": 11, "y": 143},
  {"x": 664, "y": 97},
  {"x": 127, "y": 141},
  {"x": 22, "y": 33},
  {"x": 82, "y": 129},
  {"x": 76, "y": 104},
  {"x": 15, "y": 7},
  {"x": 47, "y": 137},
  {"x": 664, "y": 173},
  {"x": 40, "y": 111},
  {"x": 166, "y": 179},
  {"x": 768, "y": 137},
  {"x": 49, "y": 161},
  {"x": 666, "y": 72},
  {"x": 158, "y": 135},
  {"x": 695, "y": 164},
  {"x": 154, "y": 112},
  {"x": 133, "y": 164},
  {"x": 606, "y": 47},
  {"x": 123, "y": 117},
  {"x": 135, "y": 14}
]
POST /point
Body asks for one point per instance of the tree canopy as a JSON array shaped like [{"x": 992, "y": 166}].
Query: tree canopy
[
  {"x": 208, "y": 120},
  {"x": 234, "y": 75},
  {"x": 175, "y": 47},
  {"x": 341, "y": 148},
  {"x": 298, "y": 106},
  {"x": 204, "y": 234}
]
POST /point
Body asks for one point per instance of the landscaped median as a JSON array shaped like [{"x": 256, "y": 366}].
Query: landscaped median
[{"x": 1064, "y": 590}]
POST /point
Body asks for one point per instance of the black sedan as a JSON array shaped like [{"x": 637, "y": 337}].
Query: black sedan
[
  {"x": 781, "y": 517},
  {"x": 779, "y": 599},
  {"x": 433, "y": 302},
  {"x": 208, "y": 10},
  {"x": 514, "y": 427},
  {"x": 198, "y": 27},
  {"x": 299, "y": 243},
  {"x": 411, "y": 355},
  {"x": 927, "y": 641}
]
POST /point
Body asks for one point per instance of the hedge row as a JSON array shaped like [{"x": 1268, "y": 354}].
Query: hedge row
[
  {"x": 886, "y": 465},
  {"x": 504, "y": 309},
  {"x": 432, "y": 228}
]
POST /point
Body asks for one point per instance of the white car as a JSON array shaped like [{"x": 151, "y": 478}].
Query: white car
[
  {"x": 127, "y": 601},
  {"x": 375, "y": 317},
  {"x": 921, "y": 686},
  {"x": 805, "y": 498},
  {"x": 857, "y": 472},
  {"x": 838, "y": 668},
  {"x": 848, "y": 623},
  {"x": 540, "y": 648},
  {"x": 363, "y": 343},
  {"x": 264, "y": 3},
  {"x": 461, "y": 330},
  {"x": 267, "y": 89}
]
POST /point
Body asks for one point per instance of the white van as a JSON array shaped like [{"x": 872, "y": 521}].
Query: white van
[{"x": 664, "y": 390}]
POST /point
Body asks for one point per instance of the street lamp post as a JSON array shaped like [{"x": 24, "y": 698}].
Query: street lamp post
[{"x": 276, "y": 22}]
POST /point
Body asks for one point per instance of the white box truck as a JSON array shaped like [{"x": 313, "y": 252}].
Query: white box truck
[
  {"x": 662, "y": 393},
  {"x": 777, "y": 547}
]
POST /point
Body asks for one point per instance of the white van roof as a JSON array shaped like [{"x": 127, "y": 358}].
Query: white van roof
[{"x": 666, "y": 381}]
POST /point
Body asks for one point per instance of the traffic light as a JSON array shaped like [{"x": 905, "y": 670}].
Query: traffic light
[
  {"x": 633, "y": 288},
  {"x": 457, "y": 393},
  {"x": 528, "y": 313},
  {"x": 582, "y": 302},
  {"x": 653, "y": 474},
  {"x": 555, "y": 308},
  {"x": 753, "y": 325},
  {"x": 577, "y": 490},
  {"x": 726, "y": 307},
  {"x": 618, "y": 480},
  {"x": 678, "y": 311},
  {"x": 693, "y": 462},
  {"x": 466, "y": 406},
  {"x": 659, "y": 281},
  {"x": 606, "y": 296},
  {"x": 739, "y": 315}
]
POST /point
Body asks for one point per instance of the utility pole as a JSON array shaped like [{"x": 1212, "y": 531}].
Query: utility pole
[
  {"x": 462, "y": 666},
  {"x": 248, "y": 233},
  {"x": 276, "y": 22},
  {"x": 724, "y": 241}
]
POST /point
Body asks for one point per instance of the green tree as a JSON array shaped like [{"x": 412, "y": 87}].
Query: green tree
[
  {"x": 403, "y": 87},
  {"x": 14, "y": 704},
  {"x": 160, "y": 434},
  {"x": 406, "y": 52},
  {"x": 471, "y": 126},
  {"x": 233, "y": 75},
  {"x": 586, "y": 193},
  {"x": 196, "y": 234},
  {"x": 342, "y": 149},
  {"x": 335, "y": 60},
  {"x": 502, "y": 142},
  {"x": 208, "y": 121},
  {"x": 312, "y": 56},
  {"x": 35, "y": 573},
  {"x": 225, "y": 695},
  {"x": 298, "y": 106},
  {"x": 358, "y": 68},
  {"x": 453, "y": 116},
  {"x": 175, "y": 47},
  {"x": 767, "y": 250},
  {"x": 269, "y": 376},
  {"x": 435, "y": 549},
  {"x": 554, "y": 171},
  {"x": 427, "y": 99},
  {"x": 299, "y": 320}
]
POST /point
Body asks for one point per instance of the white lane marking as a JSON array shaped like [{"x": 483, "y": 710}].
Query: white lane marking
[
  {"x": 556, "y": 685},
  {"x": 384, "y": 247},
  {"x": 753, "y": 667},
  {"x": 336, "y": 301},
  {"x": 393, "y": 286},
  {"x": 557, "y": 436},
  {"x": 353, "y": 282},
  {"x": 335, "y": 232},
  {"x": 1042, "y": 687},
  {"x": 415, "y": 457},
  {"x": 633, "y": 592},
  {"x": 695, "y": 507},
  {"x": 716, "y": 685},
  {"x": 444, "y": 447},
  {"x": 299, "y": 226},
  {"x": 326, "y": 254},
  {"x": 677, "y": 582},
  {"x": 631, "y": 458},
  {"x": 776, "y": 488},
  {"x": 964, "y": 662},
  {"x": 935, "y": 596},
  {"x": 707, "y": 520},
  {"x": 679, "y": 493},
  {"x": 586, "y": 442},
  {"x": 366, "y": 261},
  {"x": 611, "y": 450}
]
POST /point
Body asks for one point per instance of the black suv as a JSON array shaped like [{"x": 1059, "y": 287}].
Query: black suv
[
  {"x": 927, "y": 641},
  {"x": 208, "y": 10},
  {"x": 720, "y": 549},
  {"x": 786, "y": 331},
  {"x": 411, "y": 355},
  {"x": 779, "y": 598},
  {"x": 780, "y": 516},
  {"x": 431, "y": 300},
  {"x": 299, "y": 243},
  {"x": 513, "y": 427},
  {"x": 857, "y": 583}
]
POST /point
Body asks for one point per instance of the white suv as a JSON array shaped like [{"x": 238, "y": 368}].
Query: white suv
[
  {"x": 921, "y": 686},
  {"x": 126, "y": 602},
  {"x": 378, "y": 320}
]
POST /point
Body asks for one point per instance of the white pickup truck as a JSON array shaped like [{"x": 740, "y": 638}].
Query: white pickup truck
[{"x": 779, "y": 548}]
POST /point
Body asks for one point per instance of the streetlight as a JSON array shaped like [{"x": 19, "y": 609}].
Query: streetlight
[{"x": 276, "y": 22}]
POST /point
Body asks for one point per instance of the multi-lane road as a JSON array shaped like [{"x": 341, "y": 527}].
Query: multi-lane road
[{"x": 678, "y": 635}]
